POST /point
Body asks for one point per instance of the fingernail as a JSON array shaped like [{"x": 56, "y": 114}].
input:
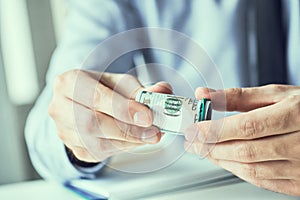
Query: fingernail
[
  {"x": 165, "y": 85},
  {"x": 142, "y": 119},
  {"x": 191, "y": 133},
  {"x": 149, "y": 136}
]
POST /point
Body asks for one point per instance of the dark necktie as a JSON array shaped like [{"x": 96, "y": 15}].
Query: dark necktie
[{"x": 271, "y": 42}]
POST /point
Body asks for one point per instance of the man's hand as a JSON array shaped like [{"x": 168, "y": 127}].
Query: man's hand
[
  {"x": 261, "y": 145},
  {"x": 97, "y": 118}
]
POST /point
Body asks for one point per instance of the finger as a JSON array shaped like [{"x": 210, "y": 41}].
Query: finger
[
  {"x": 104, "y": 126},
  {"x": 202, "y": 92},
  {"x": 83, "y": 121},
  {"x": 289, "y": 187},
  {"x": 261, "y": 170},
  {"x": 280, "y": 118},
  {"x": 234, "y": 99},
  {"x": 252, "y": 150},
  {"x": 130, "y": 133},
  {"x": 128, "y": 85},
  {"x": 265, "y": 149},
  {"x": 255, "y": 173},
  {"x": 83, "y": 89},
  {"x": 124, "y": 84},
  {"x": 245, "y": 99}
]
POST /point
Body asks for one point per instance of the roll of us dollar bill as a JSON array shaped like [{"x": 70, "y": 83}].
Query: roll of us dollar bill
[{"x": 174, "y": 114}]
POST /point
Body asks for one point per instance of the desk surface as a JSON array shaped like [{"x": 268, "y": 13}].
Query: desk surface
[
  {"x": 35, "y": 190},
  {"x": 48, "y": 191}
]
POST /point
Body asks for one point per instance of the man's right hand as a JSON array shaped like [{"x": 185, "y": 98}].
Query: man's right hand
[{"x": 97, "y": 119}]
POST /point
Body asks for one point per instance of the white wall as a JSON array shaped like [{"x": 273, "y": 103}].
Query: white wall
[{"x": 38, "y": 41}]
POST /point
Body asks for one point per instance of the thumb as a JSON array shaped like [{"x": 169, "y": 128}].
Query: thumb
[
  {"x": 242, "y": 99},
  {"x": 161, "y": 87},
  {"x": 202, "y": 92}
]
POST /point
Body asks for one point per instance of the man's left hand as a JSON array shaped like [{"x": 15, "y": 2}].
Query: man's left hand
[{"x": 260, "y": 145}]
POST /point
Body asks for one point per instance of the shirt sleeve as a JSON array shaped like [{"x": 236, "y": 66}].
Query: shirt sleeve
[{"x": 87, "y": 24}]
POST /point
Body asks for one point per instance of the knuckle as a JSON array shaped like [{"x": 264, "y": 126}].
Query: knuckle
[
  {"x": 234, "y": 93},
  {"x": 248, "y": 128},
  {"x": 275, "y": 87},
  {"x": 251, "y": 128},
  {"x": 126, "y": 132},
  {"x": 246, "y": 152},
  {"x": 252, "y": 171},
  {"x": 282, "y": 150}
]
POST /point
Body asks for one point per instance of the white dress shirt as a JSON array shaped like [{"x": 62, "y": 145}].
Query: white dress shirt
[{"x": 217, "y": 25}]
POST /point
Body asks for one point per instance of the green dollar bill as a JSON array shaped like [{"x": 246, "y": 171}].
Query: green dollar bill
[{"x": 173, "y": 114}]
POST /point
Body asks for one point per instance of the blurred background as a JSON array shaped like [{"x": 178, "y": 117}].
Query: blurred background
[{"x": 29, "y": 31}]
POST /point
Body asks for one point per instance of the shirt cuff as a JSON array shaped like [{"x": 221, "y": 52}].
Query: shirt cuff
[{"x": 85, "y": 167}]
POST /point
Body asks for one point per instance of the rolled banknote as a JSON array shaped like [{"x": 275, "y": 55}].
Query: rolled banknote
[{"x": 174, "y": 114}]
